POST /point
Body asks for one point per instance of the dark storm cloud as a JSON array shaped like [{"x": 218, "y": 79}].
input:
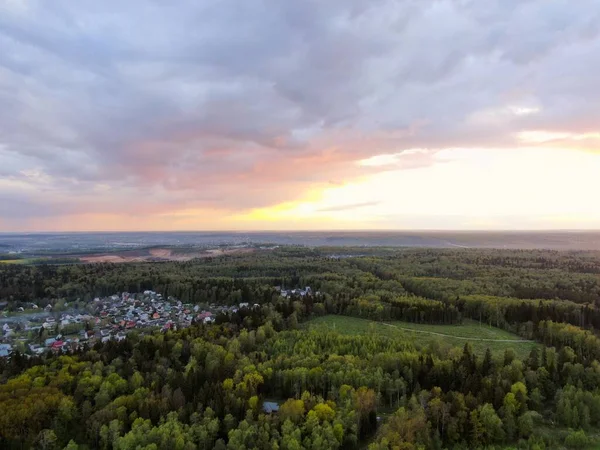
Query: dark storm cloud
[{"x": 246, "y": 104}]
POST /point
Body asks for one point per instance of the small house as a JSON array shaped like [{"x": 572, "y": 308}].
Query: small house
[
  {"x": 270, "y": 407},
  {"x": 5, "y": 350},
  {"x": 38, "y": 350}
]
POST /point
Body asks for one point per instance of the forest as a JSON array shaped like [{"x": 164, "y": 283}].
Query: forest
[{"x": 214, "y": 385}]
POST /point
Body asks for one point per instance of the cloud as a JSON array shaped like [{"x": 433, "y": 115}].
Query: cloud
[
  {"x": 535, "y": 136},
  {"x": 145, "y": 108},
  {"x": 349, "y": 207},
  {"x": 407, "y": 159}
]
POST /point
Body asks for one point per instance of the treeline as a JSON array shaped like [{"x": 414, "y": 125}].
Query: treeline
[
  {"x": 507, "y": 273},
  {"x": 504, "y": 311},
  {"x": 406, "y": 308},
  {"x": 437, "y": 274}
]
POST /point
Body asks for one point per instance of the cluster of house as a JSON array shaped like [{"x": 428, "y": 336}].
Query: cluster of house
[
  {"x": 289, "y": 293},
  {"x": 108, "y": 318},
  {"x": 150, "y": 309}
]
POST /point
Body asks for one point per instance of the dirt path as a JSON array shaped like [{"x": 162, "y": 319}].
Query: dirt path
[{"x": 457, "y": 337}]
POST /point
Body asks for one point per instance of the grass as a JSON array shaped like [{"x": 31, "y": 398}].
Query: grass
[
  {"x": 15, "y": 261},
  {"x": 435, "y": 336}
]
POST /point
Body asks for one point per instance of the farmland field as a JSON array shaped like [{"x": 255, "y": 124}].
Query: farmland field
[
  {"x": 15, "y": 261},
  {"x": 479, "y": 336}
]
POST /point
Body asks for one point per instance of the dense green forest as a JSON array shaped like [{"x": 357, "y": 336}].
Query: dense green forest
[{"x": 204, "y": 386}]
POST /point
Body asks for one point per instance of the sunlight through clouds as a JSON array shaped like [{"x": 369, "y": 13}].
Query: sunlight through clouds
[
  {"x": 233, "y": 115},
  {"x": 472, "y": 188}
]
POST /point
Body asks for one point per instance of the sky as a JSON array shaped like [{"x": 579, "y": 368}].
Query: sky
[{"x": 299, "y": 114}]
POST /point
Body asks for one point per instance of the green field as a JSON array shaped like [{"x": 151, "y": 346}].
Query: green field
[
  {"x": 41, "y": 260},
  {"x": 479, "y": 336}
]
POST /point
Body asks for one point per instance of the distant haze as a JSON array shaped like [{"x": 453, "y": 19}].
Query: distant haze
[{"x": 77, "y": 242}]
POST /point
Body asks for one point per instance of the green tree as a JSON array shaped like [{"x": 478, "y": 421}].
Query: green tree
[
  {"x": 491, "y": 423},
  {"x": 577, "y": 439},
  {"x": 47, "y": 440},
  {"x": 72, "y": 445}
]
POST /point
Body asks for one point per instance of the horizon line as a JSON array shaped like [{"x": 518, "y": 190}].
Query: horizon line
[{"x": 365, "y": 230}]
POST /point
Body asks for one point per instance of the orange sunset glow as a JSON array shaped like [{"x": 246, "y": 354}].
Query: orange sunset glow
[{"x": 293, "y": 115}]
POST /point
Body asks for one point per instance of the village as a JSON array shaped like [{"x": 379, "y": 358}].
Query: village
[
  {"x": 104, "y": 319},
  {"x": 108, "y": 318}
]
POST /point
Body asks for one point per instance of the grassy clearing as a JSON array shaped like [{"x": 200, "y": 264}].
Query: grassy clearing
[
  {"x": 435, "y": 336},
  {"x": 15, "y": 261}
]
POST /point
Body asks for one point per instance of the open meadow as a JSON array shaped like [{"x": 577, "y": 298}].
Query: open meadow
[{"x": 479, "y": 336}]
